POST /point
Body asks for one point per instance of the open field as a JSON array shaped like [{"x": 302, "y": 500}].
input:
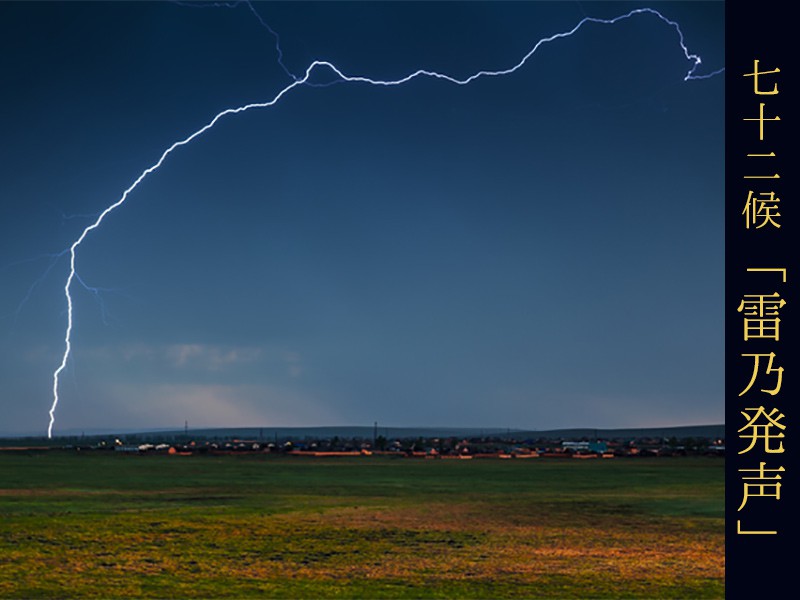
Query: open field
[{"x": 104, "y": 525}]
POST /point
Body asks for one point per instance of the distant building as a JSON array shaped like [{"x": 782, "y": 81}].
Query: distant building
[{"x": 596, "y": 447}]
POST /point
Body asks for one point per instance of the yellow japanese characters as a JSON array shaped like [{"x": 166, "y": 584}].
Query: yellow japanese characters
[{"x": 762, "y": 434}]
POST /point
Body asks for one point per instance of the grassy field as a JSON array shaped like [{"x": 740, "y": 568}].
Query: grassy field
[{"x": 110, "y": 526}]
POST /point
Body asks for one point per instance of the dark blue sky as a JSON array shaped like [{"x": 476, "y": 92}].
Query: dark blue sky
[{"x": 539, "y": 250}]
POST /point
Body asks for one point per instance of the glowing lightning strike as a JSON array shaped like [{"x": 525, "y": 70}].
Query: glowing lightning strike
[{"x": 693, "y": 58}]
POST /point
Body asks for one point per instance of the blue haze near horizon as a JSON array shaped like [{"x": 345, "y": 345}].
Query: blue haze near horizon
[{"x": 537, "y": 251}]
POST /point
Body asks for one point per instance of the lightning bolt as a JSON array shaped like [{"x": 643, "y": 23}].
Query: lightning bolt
[{"x": 341, "y": 77}]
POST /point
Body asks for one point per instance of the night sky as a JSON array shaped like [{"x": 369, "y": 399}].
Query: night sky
[{"x": 539, "y": 250}]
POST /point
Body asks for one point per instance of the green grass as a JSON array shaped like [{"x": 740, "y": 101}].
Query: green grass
[{"x": 104, "y": 525}]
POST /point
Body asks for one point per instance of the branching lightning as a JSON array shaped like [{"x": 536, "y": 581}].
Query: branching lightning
[
  {"x": 53, "y": 260},
  {"x": 304, "y": 80},
  {"x": 252, "y": 9}
]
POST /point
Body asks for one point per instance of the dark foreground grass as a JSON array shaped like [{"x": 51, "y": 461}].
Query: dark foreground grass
[{"x": 109, "y": 526}]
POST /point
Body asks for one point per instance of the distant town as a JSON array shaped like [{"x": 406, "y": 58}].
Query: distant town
[{"x": 396, "y": 442}]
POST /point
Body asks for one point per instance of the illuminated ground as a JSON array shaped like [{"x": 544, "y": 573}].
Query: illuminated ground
[{"x": 104, "y": 525}]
